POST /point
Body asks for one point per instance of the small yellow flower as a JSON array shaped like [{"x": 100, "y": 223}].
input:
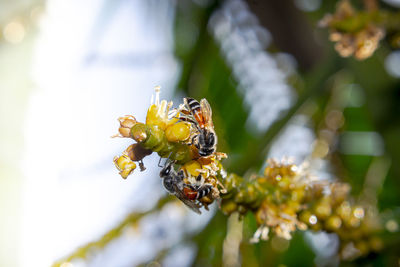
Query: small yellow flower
[
  {"x": 125, "y": 165},
  {"x": 157, "y": 114}
]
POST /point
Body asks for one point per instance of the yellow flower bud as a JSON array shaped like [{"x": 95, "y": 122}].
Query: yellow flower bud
[
  {"x": 240, "y": 196},
  {"x": 308, "y": 218},
  {"x": 333, "y": 223},
  {"x": 353, "y": 222},
  {"x": 125, "y": 165},
  {"x": 323, "y": 209},
  {"x": 173, "y": 120},
  {"x": 344, "y": 210},
  {"x": 289, "y": 210},
  {"x": 178, "y": 132},
  {"x": 294, "y": 206}
]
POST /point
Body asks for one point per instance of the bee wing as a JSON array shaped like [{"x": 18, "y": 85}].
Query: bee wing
[
  {"x": 185, "y": 105},
  {"x": 193, "y": 206},
  {"x": 207, "y": 112}
]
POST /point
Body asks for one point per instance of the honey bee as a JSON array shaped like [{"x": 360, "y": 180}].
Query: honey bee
[
  {"x": 200, "y": 115},
  {"x": 173, "y": 182}
]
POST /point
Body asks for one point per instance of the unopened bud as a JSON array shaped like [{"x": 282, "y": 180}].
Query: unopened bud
[
  {"x": 139, "y": 132},
  {"x": 126, "y": 124},
  {"x": 137, "y": 152},
  {"x": 333, "y": 223},
  {"x": 178, "y": 132},
  {"x": 323, "y": 209}
]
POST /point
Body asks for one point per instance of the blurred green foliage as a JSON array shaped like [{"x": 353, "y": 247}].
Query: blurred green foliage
[{"x": 205, "y": 73}]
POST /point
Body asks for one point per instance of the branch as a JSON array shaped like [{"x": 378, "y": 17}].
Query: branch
[{"x": 84, "y": 252}]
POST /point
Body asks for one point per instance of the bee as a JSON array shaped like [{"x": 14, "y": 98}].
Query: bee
[
  {"x": 173, "y": 182},
  {"x": 198, "y": 190},
  {"x": 200, "y": 115}
]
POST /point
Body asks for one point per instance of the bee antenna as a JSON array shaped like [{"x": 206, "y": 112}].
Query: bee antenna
[
  {"x": 170, "y": 154},
  {"x": 166, "y": 161}
]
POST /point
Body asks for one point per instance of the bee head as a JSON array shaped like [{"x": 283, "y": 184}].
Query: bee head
[
  {"x": 166, "y": 170},
  {"x": 210, "y": 138},
  {"x": 207, "y": 138}
]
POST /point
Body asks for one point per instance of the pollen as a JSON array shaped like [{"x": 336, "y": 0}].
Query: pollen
[{"x": 192, "y": 168}]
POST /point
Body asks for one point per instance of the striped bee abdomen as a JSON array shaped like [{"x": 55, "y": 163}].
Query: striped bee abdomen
[
  {"x": 204, "y": 191},
  {"x": 193, "y": 104}
]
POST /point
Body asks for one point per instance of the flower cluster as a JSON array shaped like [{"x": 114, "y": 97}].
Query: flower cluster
[
  {"x": 286, "y": 198},
  {"x": 354, "y": 33},
  {"x": 178, "y": 135}
]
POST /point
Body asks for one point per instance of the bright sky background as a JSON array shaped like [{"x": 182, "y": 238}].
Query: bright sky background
[{"x": 88, "y": 71}]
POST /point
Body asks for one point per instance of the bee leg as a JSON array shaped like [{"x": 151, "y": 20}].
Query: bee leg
[
  {"x": 192, "y": 140},
  {"x": 141, "y": 165},
  {"x": 215, "y": 192},
  {"x": 198, "y": 178},
  {"x": 196, "y": 144},
  {"x": 223, "y": 189},
  {"x": 181, "y": 175},
  {"x": 187, "y": 119}
]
